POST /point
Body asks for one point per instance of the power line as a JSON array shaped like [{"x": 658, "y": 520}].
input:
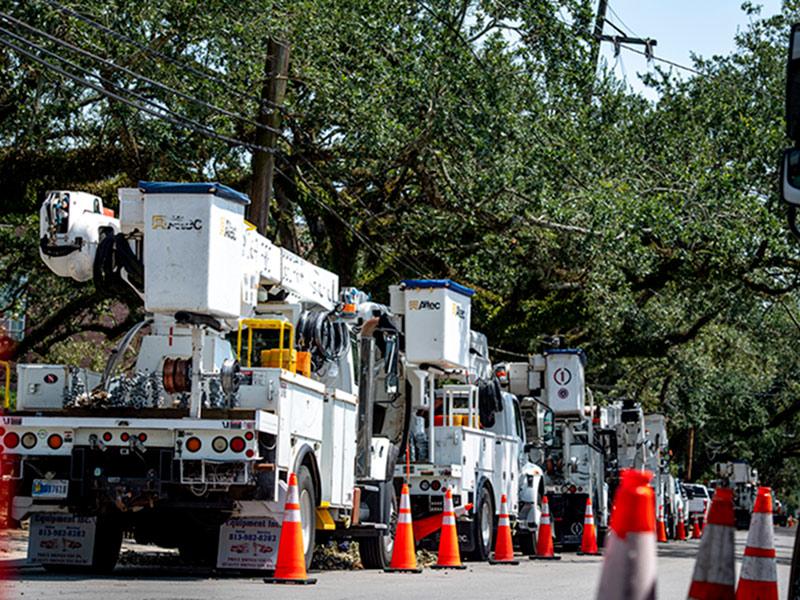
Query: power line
[
  {"x": 618, "y": 18},
  {"x": 175, "y": 117},
  {"x": 368, "y": 244},
  {"x": 136, "y": 75},
  {"x": 209, "y": 74},
  {"x": 171, "y": 116},
  {"x": 663, "y": 60}
]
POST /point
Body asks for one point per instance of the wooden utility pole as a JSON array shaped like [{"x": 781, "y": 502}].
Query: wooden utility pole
[
  {"x": 276, "y": 71},
  {"x": 689, "y": 455},
  {"x": 598, "y": 38},
  {"x": 599, "y": 21}
]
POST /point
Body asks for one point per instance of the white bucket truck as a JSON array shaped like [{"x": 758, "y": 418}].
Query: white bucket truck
[
  {"x": 464, "y": 432},
  {"x": 569, "y": 443},
  {"x": 244, "y": 373}
]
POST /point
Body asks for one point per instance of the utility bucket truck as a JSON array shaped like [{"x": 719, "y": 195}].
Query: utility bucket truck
[
  {"x": 569, "y": 441},
  {"x": 463, "y": 432},
  {"x": 244, "y": 372},
  {"x": 743, "y": 479}
]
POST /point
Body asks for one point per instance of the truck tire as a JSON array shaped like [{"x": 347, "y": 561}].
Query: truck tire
[
  {"x": 483, "y": 525},
  {"x": 199, "y": 548},
  {"x": 527, "y": 542},
  {"x": 376, "y": 551},
  {"x": 308, "y": 511}
]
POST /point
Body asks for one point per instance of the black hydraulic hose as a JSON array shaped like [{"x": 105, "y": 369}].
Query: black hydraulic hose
[
  {"x": 112, "y": 256},
  {"x": 327, "y": 340},
  {"x": 406, "y": 433}
]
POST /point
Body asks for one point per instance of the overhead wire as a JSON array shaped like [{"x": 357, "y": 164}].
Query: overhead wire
[
  {"x": 618, "y": 18},
  {"x": 349, "y": 226},
  {"x": 131, "y": 41},
  {"x": 157, "y": 111},
  {"x": 174, "y": 117},
  {"x": 208, "y": 74},
  {"x": 136, "y": 75},
  {"x": 662, "y": 60}
]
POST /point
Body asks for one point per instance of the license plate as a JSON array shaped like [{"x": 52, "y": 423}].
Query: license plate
[{"x": 50, "y": 488}]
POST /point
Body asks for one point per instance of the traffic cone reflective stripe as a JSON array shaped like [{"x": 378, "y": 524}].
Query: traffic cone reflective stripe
[
  {"x": 404, "y": 554},
  {"x": 714, "y": 570},
  {"x": 680, "y": 528},
  {"x": 629, "y": 561},
  {"x": 758, "y": 579},
  {"x": 589, "y": 537},
  {"x": 428, "y": 525},
  {"x": 696, "y": 533},
  {"x": 290, "y": 566},
  {"x": 449, "y": 556},
  {"x": 544, "y": 537},
  {"x": 503, "y": 546},
  {"x": 661, "y": 526}
]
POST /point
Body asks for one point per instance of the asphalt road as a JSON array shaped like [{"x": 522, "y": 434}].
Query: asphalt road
[{"x": 572, "y": 577}]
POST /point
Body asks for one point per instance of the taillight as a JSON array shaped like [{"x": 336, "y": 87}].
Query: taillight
[
  {"x": 142, "y": 437},
  {"x": 219, "y": 444},
  {"x": 436, "y": 485},
  {"x": 249, "y": 436},
  {"x": 572, "y": 489},
  {"x": 55, "y": 441},
  {"x": 11, "y": 440},
  {"x": 237, "y": 444},
  {"x": 125, "y": 436},
  {"x": 193, "y": 444},
  {"x": 28, "y": 440},
  {"x": 107, "y": 436}
]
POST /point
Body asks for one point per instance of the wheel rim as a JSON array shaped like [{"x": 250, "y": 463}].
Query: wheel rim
[
  {"x": 307, "y": 519},
  {"x": 388, "y": 539},
  {"x": 486, "y": 523}
]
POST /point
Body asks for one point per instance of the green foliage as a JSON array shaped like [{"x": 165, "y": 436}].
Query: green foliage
[{"x": 468, "y": 140}]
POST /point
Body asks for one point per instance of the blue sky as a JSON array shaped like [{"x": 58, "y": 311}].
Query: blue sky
[{"x": 681, "y": 27}]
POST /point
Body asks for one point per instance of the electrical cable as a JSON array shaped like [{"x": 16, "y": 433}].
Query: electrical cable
[
  {"x": 170, "y": 116},
  {"x": 618, "y": 18},
  {"x": 663, "y": 60},
  {"x": 136, "y": 75},
  {"x": 326, "y": 339},
  {"x": 212, "y": 76}
]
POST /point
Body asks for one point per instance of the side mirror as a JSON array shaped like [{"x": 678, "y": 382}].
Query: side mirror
[
  {"x": 790, "y": 176},
  {"x": 793, "y": 85}
]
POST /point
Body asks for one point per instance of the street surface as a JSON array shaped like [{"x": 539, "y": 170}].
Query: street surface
[{"x": 572, "y": 577}]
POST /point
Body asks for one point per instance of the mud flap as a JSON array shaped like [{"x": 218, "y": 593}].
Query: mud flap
[{"x": 62, "y": 539}]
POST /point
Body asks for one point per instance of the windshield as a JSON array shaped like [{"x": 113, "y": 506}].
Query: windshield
[{"x": 695, "y": 491}]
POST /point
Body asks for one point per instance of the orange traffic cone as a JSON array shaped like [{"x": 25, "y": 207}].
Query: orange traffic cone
[
  {"x": 680, "y": 528},
  {"x": 503, "y": 546},
  {"x": 696, "y": 532},
  {"x": 758, "y": 579},
  {"x": 661, "y": 527},
  {"x": 589, "y": 538},
  {"x": 404, "y": 555},
  {"x": 428, "y": 525},
  {"x": 715, "y": 568},
  {"x": 544, "y": 537},
  {"x": 449, "y": 556},
  {"x": 629, "y": 562},
  {"x": 290, "y": 566}
]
